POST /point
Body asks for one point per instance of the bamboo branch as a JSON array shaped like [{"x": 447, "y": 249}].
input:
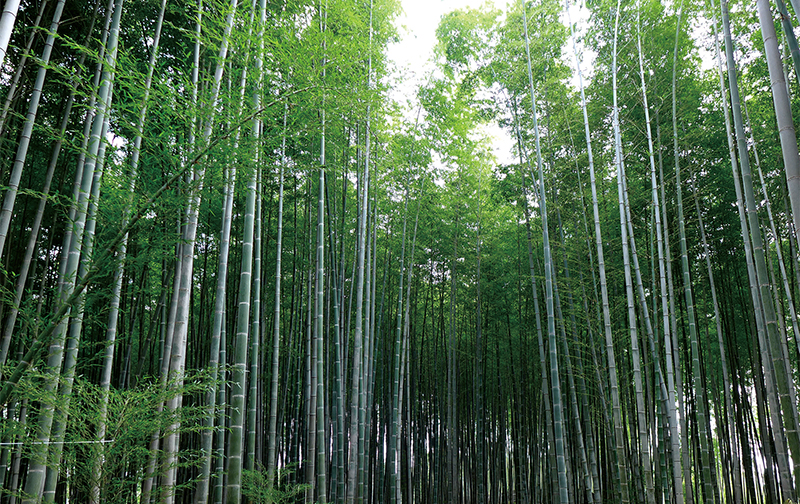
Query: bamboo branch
[{"x": 45, "y": 336}]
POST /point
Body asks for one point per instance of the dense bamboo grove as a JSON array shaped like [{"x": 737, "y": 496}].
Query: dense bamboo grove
[{"x": 234, "y": 270}]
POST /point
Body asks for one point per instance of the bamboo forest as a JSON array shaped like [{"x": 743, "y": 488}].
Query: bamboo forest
[{"x": 247, "y": 257}]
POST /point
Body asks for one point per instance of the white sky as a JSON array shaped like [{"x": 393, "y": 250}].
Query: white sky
[
  {"x": 413, "y": 56},
  {"x": 417, "y": 26}
]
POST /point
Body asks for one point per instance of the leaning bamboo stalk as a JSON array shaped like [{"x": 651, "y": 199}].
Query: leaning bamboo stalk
[
  {"x": 217, "y": 328},
  {"x": 36, "y": 226},
  {"x": 245, "y": 332},
  {"x": 37, "y": 470},
  {"x": 203, "y": 483},
  {"x": 358, "y": 347},
  {"x": 613, "y": 380},
  {"x": 12, "y": 88},
  {"x": 7, "y": 21},
  {"x": 48, "y": 332},
  {"x": 75, "y": 328},
  {"x": 27, "y": 128},
  {"x": 737, "y": 477},
  {"x": 276, "y": 328},
  {"x": 793, "y": 418},
  {"x": 555, "y": 381},
  {"x": 778, "y": 249},
  {"x": 87, "y": 135},
  {"x": 737, "y": 490},
  {"x": 644, "y": 446},
  {"x": 202, "y": 490},
  {"x": 670, "y": 403},
  {"x": 546, "y": 392},
  {"x": 254, "y": 397},
  {"x": 178, "y": 353},
  {"x": 573, "y": 397},
  {"x": 620, "y": 176},
  {"x": 786, "y": 130},
  {"x": 774, "y": 372},
  {"x": 168, "y": 333},
  {"x": 108, "y": 358},
  {"x": 701, "y": 404}
]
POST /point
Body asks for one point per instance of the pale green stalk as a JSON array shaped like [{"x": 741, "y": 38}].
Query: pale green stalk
[
  {"x": 7, "y": 21},
  {"x": 22, "y": 278},
  {"x": 356, "y": 421},
  {"x": 791, "y": 158},
  {"x": 113, "y": 316},
  {"x": 644, "y": 445},
  {"x": 207, "y": 435},
  {"x": 181, "y": 320},
  {"x": 12, "y": 88},
  {"x": 35, "y": 482},
  {"x": 319, "y": 295},
  {"x": 75, "y": 328},
  {"x": 276, "y": 328},
  {"x": 737, "y": 183},
  {"x": 394, "y": 439},
  {"x": 670, "y": 396},
  {"x": 30, "y": 118},
  {"x": 612, "y": 368},
  {"x": 254, "y": 396},
  {"x": 238, "y": 378},
  {"x": 555, "y": 382},
  {"x": 697, "y": 379},
  {"x": 778, "y": 249},
  {"x": 762, "y": 297}
]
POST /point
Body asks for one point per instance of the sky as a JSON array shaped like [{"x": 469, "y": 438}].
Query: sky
[
  {"x": 417, "y": 26},
  {"x": 413, "y": 56}
]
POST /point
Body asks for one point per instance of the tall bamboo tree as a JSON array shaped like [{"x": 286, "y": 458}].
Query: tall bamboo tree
[
  {"x": 548, "y": 272},
  {"x": 37, "y": 469},
  {"x": 7, "y": 21},
  {"x": 33, "y": 108}
]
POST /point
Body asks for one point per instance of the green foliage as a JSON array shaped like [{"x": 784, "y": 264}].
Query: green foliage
[
  {"x": 465, "y": 38},
  {"x": 472, "y": 212},
  {"x": 258, "y": 489},
  {"x": 133, "y": 417}
]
